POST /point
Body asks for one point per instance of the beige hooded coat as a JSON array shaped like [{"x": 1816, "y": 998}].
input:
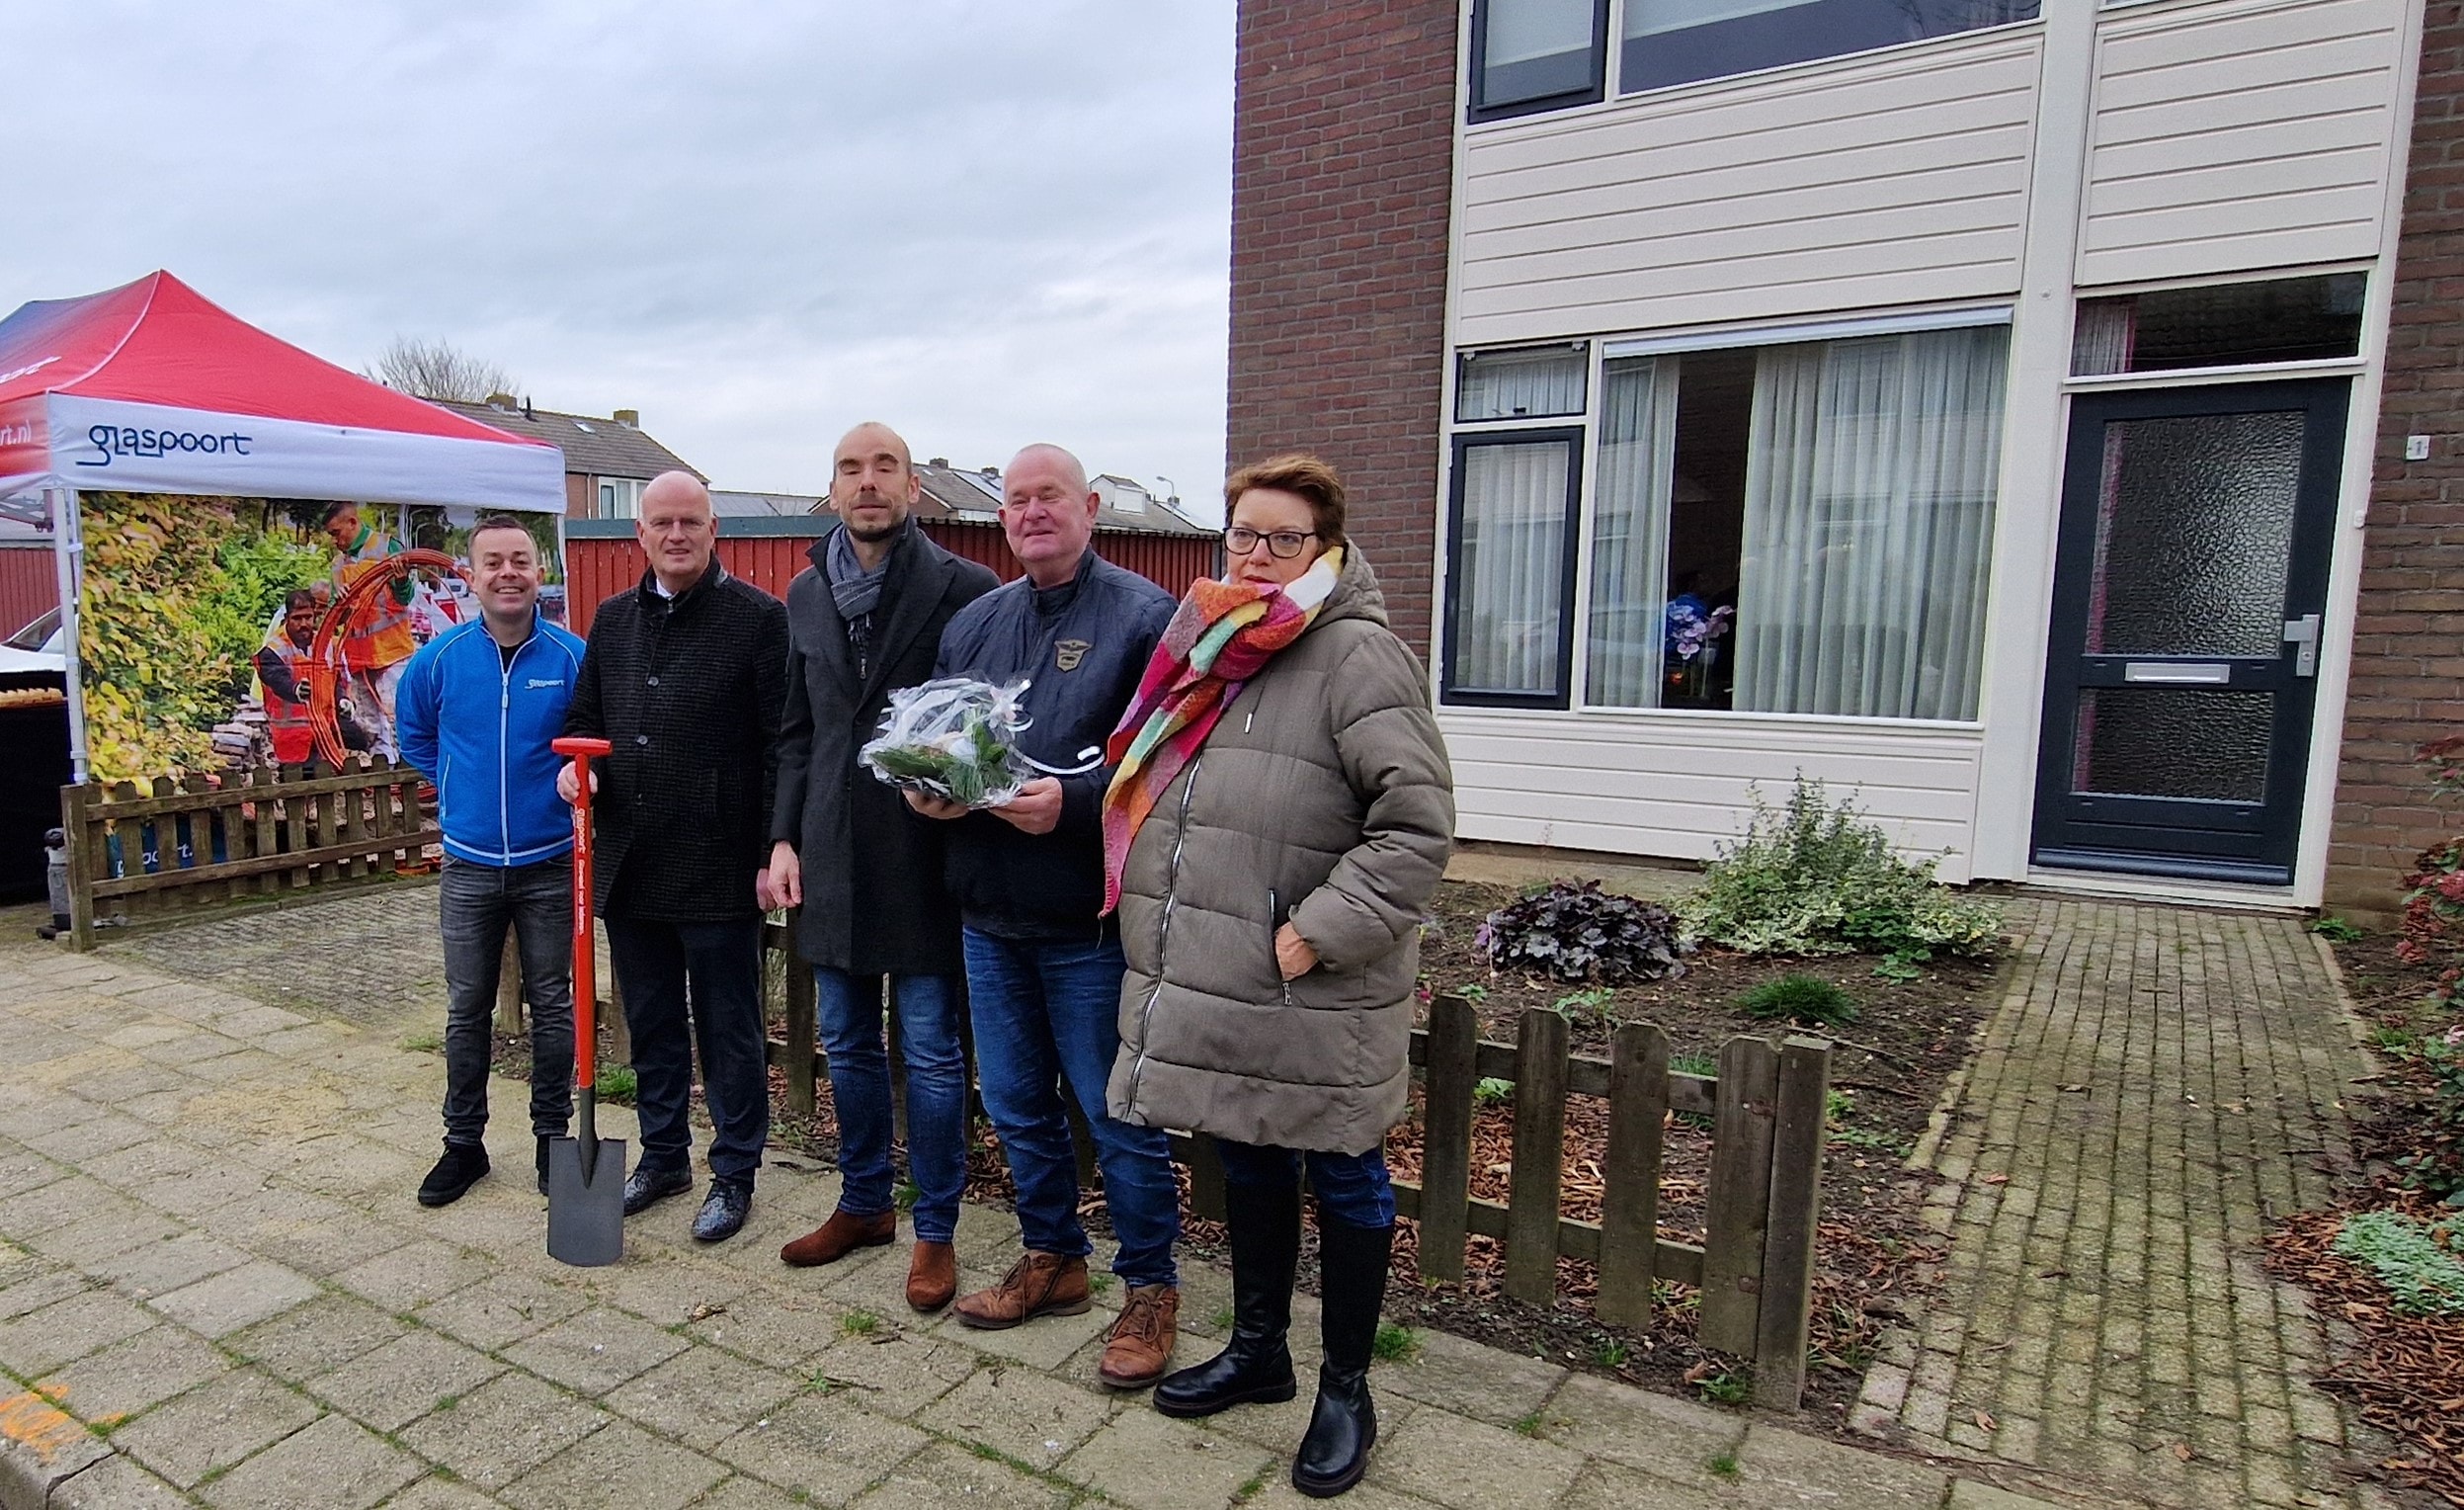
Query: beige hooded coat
[{"x": 1323, "y": 797}]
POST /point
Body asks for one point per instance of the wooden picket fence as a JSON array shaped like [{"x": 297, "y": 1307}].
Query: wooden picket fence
[
  {"x": 1754, "y": 1269},
  {"x": 257, "y": 836}
]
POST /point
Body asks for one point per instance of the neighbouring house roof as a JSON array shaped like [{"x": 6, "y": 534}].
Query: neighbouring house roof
[
  {"x": 728, "y": 503},
  {"x": 976, "y": 494},
  {"x": 593, "y": 446}
]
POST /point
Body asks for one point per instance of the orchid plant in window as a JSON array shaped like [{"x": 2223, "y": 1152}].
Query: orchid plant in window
[{"x": 1690, "y": 646}]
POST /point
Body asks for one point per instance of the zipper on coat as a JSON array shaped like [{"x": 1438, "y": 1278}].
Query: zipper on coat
[
  {"x": 1163, "y": 929},
  {"x": 504, "y": 736}
]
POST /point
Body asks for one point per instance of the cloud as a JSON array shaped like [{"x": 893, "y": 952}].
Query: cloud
[{"x": 988, "y": 222}]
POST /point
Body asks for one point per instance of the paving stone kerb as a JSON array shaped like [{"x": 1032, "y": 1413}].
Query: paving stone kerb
[
  {"x": 2154, "y": 1087},
  {"x": 214, "y": 1288}
]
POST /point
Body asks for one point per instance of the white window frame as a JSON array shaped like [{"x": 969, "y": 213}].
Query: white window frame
[{"x": 621, "y": 497}]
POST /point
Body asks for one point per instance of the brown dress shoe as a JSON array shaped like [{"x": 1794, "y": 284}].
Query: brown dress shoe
[
  {"x": 932, "y": 1276},
  {"x": 839, "y": 1236},
  {"x": 1037, "y": 1285},
  {"x": 1141, "y": 1342}
]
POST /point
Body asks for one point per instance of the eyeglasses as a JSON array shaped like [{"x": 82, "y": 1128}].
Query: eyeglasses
[{"x": 1283, "y": 545}]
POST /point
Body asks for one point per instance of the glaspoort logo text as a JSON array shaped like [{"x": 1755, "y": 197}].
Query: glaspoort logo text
[{"x": 116, "y": 442}]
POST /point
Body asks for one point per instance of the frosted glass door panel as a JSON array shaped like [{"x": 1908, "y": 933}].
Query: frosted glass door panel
[{"x": 2194, "y": 535}]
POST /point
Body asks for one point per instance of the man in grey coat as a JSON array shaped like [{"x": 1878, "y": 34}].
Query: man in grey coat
[{"x": 864, "y": 621}]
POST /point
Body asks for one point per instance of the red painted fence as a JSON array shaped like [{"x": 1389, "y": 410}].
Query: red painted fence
[
  {"x": 596, "y": 568},
  {"x": 30, "y": 586}
]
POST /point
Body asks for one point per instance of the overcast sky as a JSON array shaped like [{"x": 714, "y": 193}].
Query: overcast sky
[{"x": 984, "y": 222}]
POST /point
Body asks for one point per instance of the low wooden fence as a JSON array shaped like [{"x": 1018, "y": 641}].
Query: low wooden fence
[
  {"x": 1766, "y": 1109},
  {"x": 264, "y": 834}
]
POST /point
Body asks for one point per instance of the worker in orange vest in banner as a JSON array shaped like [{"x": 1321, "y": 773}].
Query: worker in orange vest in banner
[
  {"x": 377, "y": 643},
  {"x": 281, "y": 665}
]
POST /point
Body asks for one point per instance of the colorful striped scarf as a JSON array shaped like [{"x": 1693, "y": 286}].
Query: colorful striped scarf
[{"x": 1223, "y": 634}]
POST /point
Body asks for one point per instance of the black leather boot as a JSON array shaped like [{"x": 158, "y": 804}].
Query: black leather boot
[
  {"x": 1351, "y": 1267},
  {"x": 1257, "y": 1364}
]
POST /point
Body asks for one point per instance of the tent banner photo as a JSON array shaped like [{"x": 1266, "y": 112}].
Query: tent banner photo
[{"x": 222, "y": 634}]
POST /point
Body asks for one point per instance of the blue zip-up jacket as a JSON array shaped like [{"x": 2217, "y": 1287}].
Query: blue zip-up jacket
[{"x": 480, "y": 731}]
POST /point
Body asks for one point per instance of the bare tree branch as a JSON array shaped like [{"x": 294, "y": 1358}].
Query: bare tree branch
[{"x": 439, "y": 370}]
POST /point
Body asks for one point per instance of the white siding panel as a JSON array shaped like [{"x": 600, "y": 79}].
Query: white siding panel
[
  {"x": 1822, "y": 189},
  {"x": 2230, "y": 137},
  {"x": 1676, "y": 788}
]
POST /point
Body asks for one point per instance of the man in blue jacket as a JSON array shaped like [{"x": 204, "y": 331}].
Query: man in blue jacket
[
  {"x": 1044, "y": 970},
  {"x": 475, "y": 713}
]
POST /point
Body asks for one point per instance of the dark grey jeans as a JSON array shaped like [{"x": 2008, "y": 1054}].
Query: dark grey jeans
[{"x": 476, "y": 903}]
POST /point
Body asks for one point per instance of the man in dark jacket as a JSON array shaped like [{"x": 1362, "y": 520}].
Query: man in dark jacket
[
  {"x": 1044, "y": 971},
  {"x": 684, "y": 677},
  {"x": 866, "y": 619}
]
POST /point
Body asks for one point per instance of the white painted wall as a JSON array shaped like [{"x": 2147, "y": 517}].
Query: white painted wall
[
  {"x": 2227, "y": 137},
  {"x": 1677, "y": 784},
  {"x": 1837, "y": 186}
]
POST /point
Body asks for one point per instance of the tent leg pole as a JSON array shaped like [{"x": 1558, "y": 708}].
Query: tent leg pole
[{"x": 69, "y": 548}]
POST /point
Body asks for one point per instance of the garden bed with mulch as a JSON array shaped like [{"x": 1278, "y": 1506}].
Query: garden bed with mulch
[
  {"x": 2404, "y": 1373},
  {"x": 1888, "y": 1069}
]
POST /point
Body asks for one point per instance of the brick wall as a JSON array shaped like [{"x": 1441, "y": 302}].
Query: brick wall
[
  {"x": 2407, "y": 668},
  {"x": 1341, "y": 175}
]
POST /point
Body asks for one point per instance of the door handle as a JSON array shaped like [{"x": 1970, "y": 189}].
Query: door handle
[{"x": 2303, "y": 635}]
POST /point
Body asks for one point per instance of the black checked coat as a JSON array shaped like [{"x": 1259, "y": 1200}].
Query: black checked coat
[
  {"x": 873, "y": 900},
  {"x": 689, "y": 693}
]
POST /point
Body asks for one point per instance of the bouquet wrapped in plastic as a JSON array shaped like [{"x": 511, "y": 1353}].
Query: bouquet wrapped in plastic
[{"x": 954, "y": 738}]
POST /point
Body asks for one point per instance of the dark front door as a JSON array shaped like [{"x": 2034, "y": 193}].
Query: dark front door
[{"x": 2189, "y": 588}]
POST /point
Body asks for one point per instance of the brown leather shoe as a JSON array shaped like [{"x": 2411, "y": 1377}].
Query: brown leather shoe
[
  {"x": 1140, "y": 1345},
  {"x": 932, "y": 1276},
  {"x": 839, "y": 1236},
  {"x": 1037, "y": 1285}
]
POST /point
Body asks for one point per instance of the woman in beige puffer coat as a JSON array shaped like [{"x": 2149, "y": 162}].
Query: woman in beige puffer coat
[{"x": 1269, "y": 906}]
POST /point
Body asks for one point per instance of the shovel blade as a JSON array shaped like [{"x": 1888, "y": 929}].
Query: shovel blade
[{"x": 585, "y": 1217}]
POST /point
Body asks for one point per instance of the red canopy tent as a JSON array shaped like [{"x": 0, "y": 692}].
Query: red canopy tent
[{"x": 149, "y": 387}]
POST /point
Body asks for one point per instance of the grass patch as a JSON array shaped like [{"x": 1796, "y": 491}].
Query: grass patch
[
  {"x": 1530, "y": 1426},
  {"x": 1725, "y": 1388},
  {"x": 1723, "y": 1466},
  {"x": 1099, "y": 1284},
  {"x": 1249, "y": 1491},
  {"x": 860, "y": 1323},
  {"x": 617, "y": 1082},
  {"x": 1808, "y": 1000},
  {"x": 1223, "y": 1318},
  {"x": 1395, "y": 1344},
  {"x": 2337, "y": 930},
  {"x": 423, "y": 1042},
  {"x": 1612, "y": 1354}
]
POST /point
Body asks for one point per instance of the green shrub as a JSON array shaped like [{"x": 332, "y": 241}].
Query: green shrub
[
  {"x": 2436, "y": 1161},
  {"x": 1815, "y": 877},
  {"x": 1808, "y": 999},
  {"x": 2410, "y": 1258},
  {"x": 1575, "y": 931}
]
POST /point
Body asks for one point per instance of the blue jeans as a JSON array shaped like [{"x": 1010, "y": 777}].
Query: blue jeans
[
  {"x": 850, "y": 1009},
  {"x": 1352, "y": 1188},
  {"x": 1047, "y": 1012},
  {"x": 684, "y": 983},
  {"x": 475, "y": 904}
]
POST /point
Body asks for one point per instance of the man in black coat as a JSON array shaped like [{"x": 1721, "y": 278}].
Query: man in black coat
[
  {"x": 685, "y": 677},
  {"x": 866, "y": 619}
]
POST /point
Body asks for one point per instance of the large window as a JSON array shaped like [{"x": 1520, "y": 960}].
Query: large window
[
  {"x": 1800, "y": 528},
  {"x": 619, "y": 497},
  {"x": 1536, "y": 54},
  {"x": 1677, "y": 42}
]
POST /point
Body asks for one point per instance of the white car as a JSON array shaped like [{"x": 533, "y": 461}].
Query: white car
[{"x": 35, "y": 649}]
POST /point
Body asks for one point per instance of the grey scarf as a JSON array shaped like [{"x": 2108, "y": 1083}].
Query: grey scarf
[{"x": 857, "y": 592}]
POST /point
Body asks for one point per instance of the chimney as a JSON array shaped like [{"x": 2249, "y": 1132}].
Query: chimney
[
  {"x": 630, "y": 419},
  {"x": 504, "y": 401},
  {"x": 941, "y": 461}
]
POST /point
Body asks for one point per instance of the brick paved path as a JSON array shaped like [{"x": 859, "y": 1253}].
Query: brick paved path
[
  {"x": 2155, "y": 1084},
  {"x": 214, "y": 1287}
]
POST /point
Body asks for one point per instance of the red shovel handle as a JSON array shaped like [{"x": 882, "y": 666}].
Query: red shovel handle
[{"x": 584, "y": 954}]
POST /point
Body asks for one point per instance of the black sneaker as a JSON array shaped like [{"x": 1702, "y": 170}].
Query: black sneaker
[
  {"x": 455, "y": 1173},
  {"x": 647, "y": 1187},
  {"x": 722, "y": 1215}
]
